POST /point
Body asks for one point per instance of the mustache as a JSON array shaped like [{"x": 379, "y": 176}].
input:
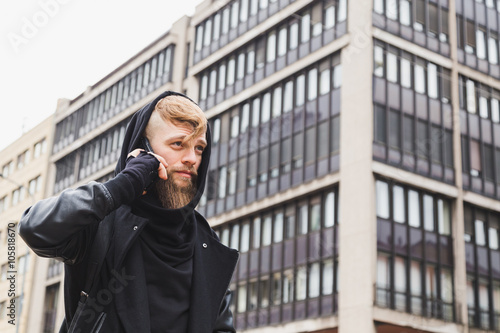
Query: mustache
[{"x": 191, "y": 170}]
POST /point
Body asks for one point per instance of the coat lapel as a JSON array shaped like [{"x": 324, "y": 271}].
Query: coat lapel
[{"x": 213, "y": 268}]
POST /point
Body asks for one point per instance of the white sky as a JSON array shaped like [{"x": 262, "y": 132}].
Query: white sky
[{"x": 56, "y": 52}]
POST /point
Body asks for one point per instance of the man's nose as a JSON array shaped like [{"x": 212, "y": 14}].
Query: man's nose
[{"x": 189, "y": 157}]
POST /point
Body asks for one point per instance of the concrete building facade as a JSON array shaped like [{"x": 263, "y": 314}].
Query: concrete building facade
[
  {"x": 24, "y": 169},
  {"x": 355, "y": 162}
]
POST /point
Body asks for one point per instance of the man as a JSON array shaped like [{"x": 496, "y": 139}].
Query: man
[{"x": 164, "y": 269}]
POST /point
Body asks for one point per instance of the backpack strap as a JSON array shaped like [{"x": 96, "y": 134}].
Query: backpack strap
[{"x": 97, "y": 254}]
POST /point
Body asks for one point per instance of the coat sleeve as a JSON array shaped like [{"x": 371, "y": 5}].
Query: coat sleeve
[
  {"x": 63, "y": 227},
  {"x": 224, "y": 322}
]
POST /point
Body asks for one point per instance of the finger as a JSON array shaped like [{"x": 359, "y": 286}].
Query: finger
[
  {"x": 135, "y": 152},
  {"x": 162, "y": 168},
  {"x": 162, "y": 172},
  {"x": 159, "y": 158}
]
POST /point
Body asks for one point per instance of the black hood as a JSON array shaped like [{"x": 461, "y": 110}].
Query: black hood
[{"x": 132, "y": 140}]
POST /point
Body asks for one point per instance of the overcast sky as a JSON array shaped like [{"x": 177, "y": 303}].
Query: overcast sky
[{"x": 52, "y": 49}]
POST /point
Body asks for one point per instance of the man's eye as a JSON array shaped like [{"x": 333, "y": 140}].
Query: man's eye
[
  {"x": 177, "y": 143},
  {"x": 200, "y": 148}
]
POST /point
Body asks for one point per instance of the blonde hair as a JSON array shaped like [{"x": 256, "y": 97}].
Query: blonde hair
[{"x": 180, "y": 110}]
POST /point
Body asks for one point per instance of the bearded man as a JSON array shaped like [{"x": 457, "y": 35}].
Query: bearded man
[{"x": 138, "y": 256}]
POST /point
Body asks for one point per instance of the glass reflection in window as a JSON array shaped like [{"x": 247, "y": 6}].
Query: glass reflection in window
[
  {"x": 382, "y": 189},
  {"x": 314, "y": 279},
  {"x": 267, "y": 230},
  {"x": 330, "y": 209},
  {"x": 413, "y": 209},
  {"x": 428, "y": 208},
  {"x": 301, "y": 283},
  {"x": 327, "y": 287}
]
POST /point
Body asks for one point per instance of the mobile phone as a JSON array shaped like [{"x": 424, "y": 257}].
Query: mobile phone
[{"x": 146, "y": 145}]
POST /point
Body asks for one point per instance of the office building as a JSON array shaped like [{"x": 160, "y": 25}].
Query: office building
[{"x": 24, "y": 170}]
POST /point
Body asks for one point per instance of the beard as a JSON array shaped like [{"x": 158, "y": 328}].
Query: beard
[{"x": 176, "y": 193}]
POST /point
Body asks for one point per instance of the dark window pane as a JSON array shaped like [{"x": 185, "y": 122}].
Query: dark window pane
[
  {"x": 460, "y": 32},
  {"x": 497, "y": 164},
  {"x": 422, "y": 138},
  {"x": 394, "y": 129},
  {"x": 252, "y": 169},
  {"x": 444, "y": 21},
  {"x": 323, "y": 140},
  {"x": 435, "y": 146},
  {"x": 446, "y": 84},
  {"x": 465, "y": 154},
  {"x": 380, "y": 128},
  {"x": 335, "y": 137},
  {"x": 311, "y": 144},
  {"x": 420, "y": 14},
  {"x": 408, "y": 134},
  {"x": 448, "y": 149},
  {"x": 286, "y": 154},
  {"x": 470, "y": 35},
  {"x": 274, "y": 158},
  {"x": 433, "y": 19},
  {"x": 211, "y": 184},
  {"x": 488, "y": 162},
  {"x": 263, "y": 159},
  {"x": 242, "y": 173},
  {"x": 475, "y": 156},
  {"x": 298, "y": 148}
]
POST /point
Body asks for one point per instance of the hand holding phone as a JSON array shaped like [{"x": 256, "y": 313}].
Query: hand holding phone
[{"x": 146, "y": 146}]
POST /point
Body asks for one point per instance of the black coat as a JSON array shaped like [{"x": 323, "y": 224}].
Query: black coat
[{"x": 122, "y": 275}]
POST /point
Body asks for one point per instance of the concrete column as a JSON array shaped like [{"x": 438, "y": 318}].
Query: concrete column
[
  {"x": 357, "y": 252},
  {"x": 460, "y": 274}
]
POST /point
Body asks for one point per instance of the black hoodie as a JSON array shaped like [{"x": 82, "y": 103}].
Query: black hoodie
[{"x": 167, "y": 241}]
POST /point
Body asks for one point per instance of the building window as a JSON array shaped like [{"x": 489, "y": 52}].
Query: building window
[
  {"x": 50, "y": 308},
  {"x": 477, "y": 44},
  {"x": 23, "y": 264},
  {"x": 35, "y": 185},
  {"x": 40, "y": 148},
  {"x": 23, "y": 159},
  {"x": 426, "y": 19},
  {"x": 8, "y": 169},
  {"x": 3, "y": 272},
  {"x": 271, "y": 47},
  {"x": 271, "y": 275},
  {"x": 212, "y": 83},
  {"x": 216, "y": 130},
  {"x": 479, "y": 114},
  {"x": 222, "y": 182},
  {"x": 240, "y": 73},
  {"x": 483, "y": 275},
  {"x": 413, "y": 125},
  {"x": 18, "y": 195},
  {"x": 412, "y": 277},
  {"x": 4, "y": 204},
  {"x": 260, "y": 145}
]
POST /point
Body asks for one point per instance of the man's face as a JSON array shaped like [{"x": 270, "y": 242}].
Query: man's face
[{"x": 183, "y": 158}]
